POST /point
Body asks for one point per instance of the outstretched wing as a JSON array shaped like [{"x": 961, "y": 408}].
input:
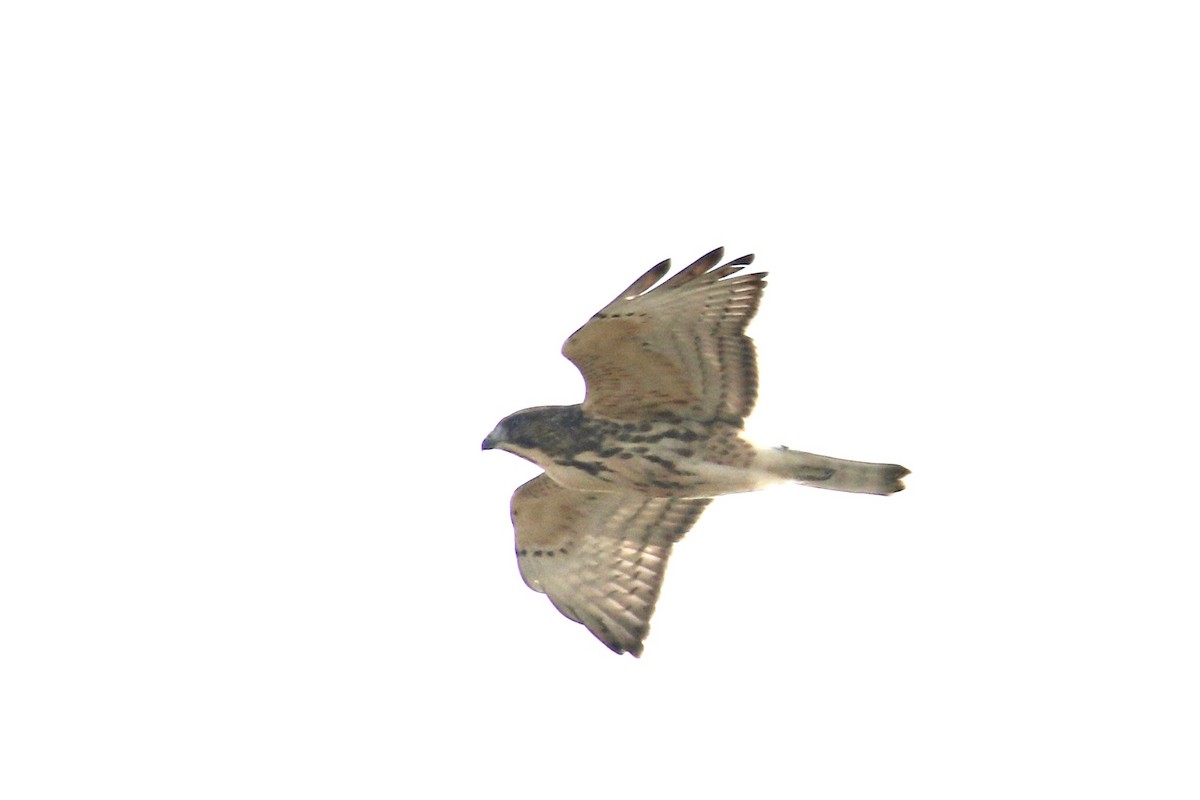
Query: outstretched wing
[
  {"x": 676, "y": 349},
  {"x": 599, "y": 556}
]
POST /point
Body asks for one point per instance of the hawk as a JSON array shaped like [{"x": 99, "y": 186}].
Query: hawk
[{"x": 670, "y": 376}]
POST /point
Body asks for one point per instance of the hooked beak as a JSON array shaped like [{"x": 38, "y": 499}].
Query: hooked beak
[{"x": 495, "y": 438}]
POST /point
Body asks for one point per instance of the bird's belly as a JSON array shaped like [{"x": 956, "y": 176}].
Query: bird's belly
[{"x": 654, "y": 475}]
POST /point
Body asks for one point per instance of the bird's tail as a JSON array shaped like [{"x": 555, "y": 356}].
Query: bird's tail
[{"x": 832, "y": 473}]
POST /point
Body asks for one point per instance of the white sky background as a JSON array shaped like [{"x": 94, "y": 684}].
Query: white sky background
[{"x": 272, "y": 271}]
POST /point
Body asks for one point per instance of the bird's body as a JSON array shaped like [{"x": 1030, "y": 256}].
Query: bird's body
[
  {"x": 670, "y": 377},
  {"x": 663, "y": 457}
]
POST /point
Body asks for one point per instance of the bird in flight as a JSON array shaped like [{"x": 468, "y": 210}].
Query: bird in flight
[{"x": 671, "y": 376}]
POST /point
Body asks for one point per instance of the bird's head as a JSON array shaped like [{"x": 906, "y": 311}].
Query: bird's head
[{"x": 533, "y": 431}]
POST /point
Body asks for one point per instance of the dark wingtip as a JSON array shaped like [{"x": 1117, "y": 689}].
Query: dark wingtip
[
  {"x": 699, "y": 267},
  {"x": 645, "y": 282},
  {"x": 742, "y": 261},
  {"x": 707, "y": 261}
]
